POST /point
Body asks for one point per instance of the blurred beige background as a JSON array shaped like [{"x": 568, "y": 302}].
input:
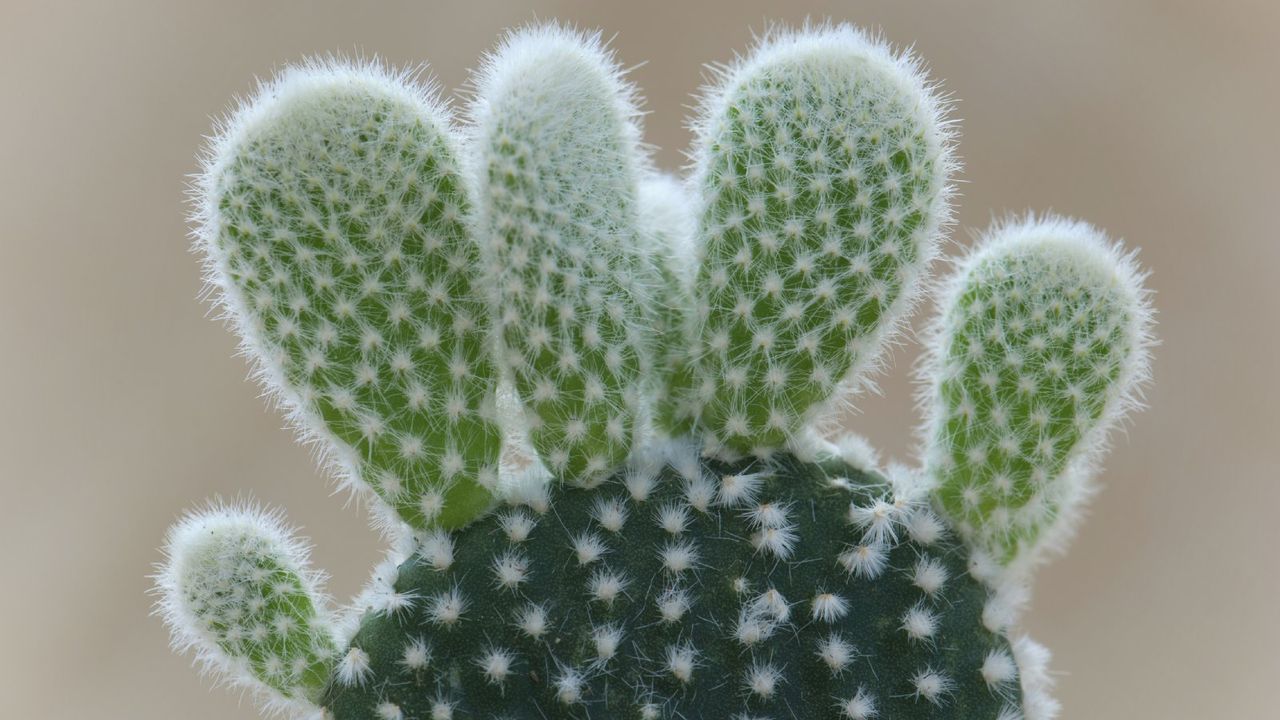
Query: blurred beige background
[{"x": 121, "y": 403}]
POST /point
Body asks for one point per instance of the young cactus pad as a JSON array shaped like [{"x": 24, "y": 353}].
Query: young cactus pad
[
  {"x": 333, "y": 216},
  {"x": 557, "y": 160},
  {"x": 236, "y": 587},
  {"x": 1041, "y": 349},
  {"x": 583, "y": 396},
  {"x": 823, "y": 161}
]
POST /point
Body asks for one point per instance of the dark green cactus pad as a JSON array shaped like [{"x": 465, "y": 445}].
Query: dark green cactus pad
[{"x": 695, "y": 590}]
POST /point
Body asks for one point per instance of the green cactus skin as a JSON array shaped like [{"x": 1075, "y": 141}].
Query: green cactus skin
[
  {"x": 755, "y": 589},
  {"x": 237, "y": 580},
  {"x": 557, "y": 157},
  {"x": 334, "y": 225},
  {"x": 1043, "y": 343},
  {"x": 823, "y": 164}
]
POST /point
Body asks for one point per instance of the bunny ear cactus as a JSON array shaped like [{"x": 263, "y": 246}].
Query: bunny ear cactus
[{"x": 585, "y": 395}]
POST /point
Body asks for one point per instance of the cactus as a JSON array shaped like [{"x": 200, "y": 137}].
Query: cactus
[{"x": 588, "y": 399}]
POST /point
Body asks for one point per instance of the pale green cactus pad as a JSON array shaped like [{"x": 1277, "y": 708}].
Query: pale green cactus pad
[
  {"x": 823, "y": 169},
  {"x": 237, "y": 588},
  {"x": 558, "y": 158},
  {"x": 585, "y": 398},
  {"x": 336, "y": 230},
  {"x": 1034, "y": 354}
]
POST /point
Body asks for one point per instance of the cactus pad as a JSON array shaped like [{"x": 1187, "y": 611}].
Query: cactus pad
[
  {"x": 557, "y": 154},
  {"x": 334, "y": 228},
  {"x": 1042, "y": 345},
  {"x": 823, "y": 165},
  {"x": 238, "y": 581},
  {"x": 694, "y": 590}
]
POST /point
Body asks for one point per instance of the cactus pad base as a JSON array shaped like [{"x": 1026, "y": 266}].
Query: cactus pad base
[{"x": 693, "y": 589}]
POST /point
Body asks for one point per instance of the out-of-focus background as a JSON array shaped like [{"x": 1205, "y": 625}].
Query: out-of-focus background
[{"x": 121, "y": 403}]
